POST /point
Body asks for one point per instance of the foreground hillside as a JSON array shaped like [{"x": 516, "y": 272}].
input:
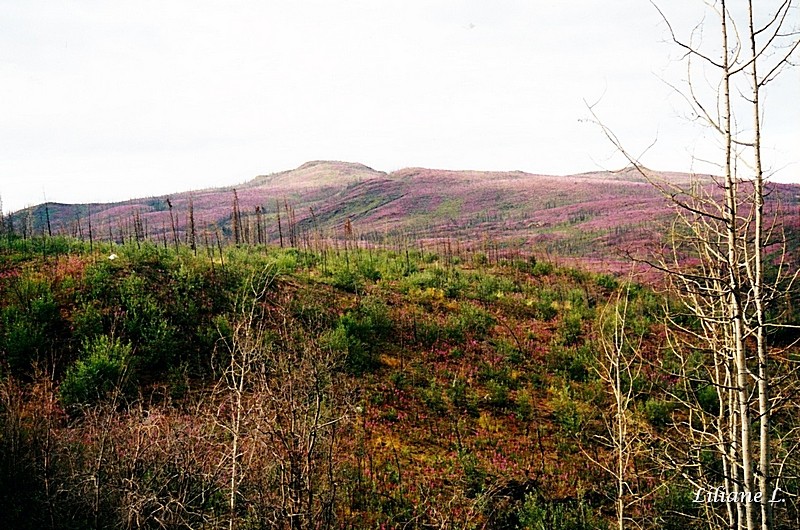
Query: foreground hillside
[
  {"x": 144, "y": 387},
  {"x": 595, "y": 217}
]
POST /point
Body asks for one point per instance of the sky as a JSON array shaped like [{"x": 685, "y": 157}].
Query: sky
[{"x": 105, "y": 101}]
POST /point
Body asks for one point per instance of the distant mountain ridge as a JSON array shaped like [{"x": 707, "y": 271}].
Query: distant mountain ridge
[{"x": 589, "y": 216}]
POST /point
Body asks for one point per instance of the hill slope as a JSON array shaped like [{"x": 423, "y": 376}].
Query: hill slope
[{"x": 588, "y": 216}]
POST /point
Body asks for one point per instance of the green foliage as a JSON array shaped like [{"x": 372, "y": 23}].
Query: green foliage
[
  {"x": 677, "y": 509},
  {"x": 568, "y": 413},
  {"x": 31, "y": 325},
  {"x": 479, "y": 259},
  {"x": 508, "y": 350},
  {"x": 489, "y": 287},
  {"x": 450, "y": 282},
  {"x": 474, "y": 474},
  {"x": 40, "y": 246},
  {"x": 574, "y": 364},
  {"x": 87, "y": 321},
  {"x": 99, "y": 281},
  {"x": 363, "y": 329},
  {"x": 524, "y": 265},
  {"x": 524, "y": 410},
  {"x": 708, "y": 399},
  {"x": 607, "y": 281},
  {"x": 542, "y": 268},
  {"x": 499, "y": 373},
  {"x": 577, "y": 275},
  {"x": 347, "y": 280},
  {"x": 426, "y": 331},
  {"x": 462, "y": 397},
  {"x": 334, "y": 339},
  {"x": 657, "y": 412},
  {"x": 570, "y": 331},
  {"x": 544, "y": 304},
  {"x": 369, "y": 270},
  {"x": 499, "y": 395},
  {"x": 101, "y": 369},
  {"x": 284, "y": 261},
  {"x": 571, "y": 514},
  {"x": 146, "y": 324},
  {"x": 471, "y": 321},
  {"x": 433, "y": 397}
]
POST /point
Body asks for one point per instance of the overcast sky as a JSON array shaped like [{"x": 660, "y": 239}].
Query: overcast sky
[{"x": 108, "y": 100}]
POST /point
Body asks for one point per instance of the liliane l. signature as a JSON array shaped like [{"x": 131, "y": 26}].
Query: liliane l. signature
[{"x": 719, "y": 495}]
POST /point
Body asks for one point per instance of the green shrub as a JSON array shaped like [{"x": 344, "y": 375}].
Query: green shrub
[
  {"x": 572, "y": 514},
  {"x": 433, "y": 398},
  {"x": 678, "y": 509},
  {"x": 420, "y": 280},
  {"x": 364, "y": 328},
  {"x": 347, "y": 280},
  {"x": 524, "y": 409},
  {"x": 462, "y": 397},
  {"x": 489, "y": 287},
  {"x": 657, "y": 412},
  {"x": 578, "y": 275},
  {"x": 544, "y": 305},
  {"x": 571, "y": 329},
  {"x": 31, "y": 324},
  {"x": 369, "y": 271},
  {"x": 450, "y": 282},
  {"x": 568, "y": 413},
  {"x": 542, "y": 268},
  {"x": 508, "y": 350},
  {"x": 399, "y": 380},
  {"x": 499, "y": 395},
  {"x": 147, "y": 325},
  {"x": 479, "y": 259},
  {"x": 470, "y": 320},
  {"x": 501, "y": 374},
  {"x": 100, "y": 281},
  {"x": 101, "y": 369},
  {"x": 474, "y": 474},
  {"x": 285, "y": 260},
  {"x": 426, "y": 331},
  {"x": 524, "y": 265},
  {"x": 607, "y": 281},
  {"x": 708, "y": 399},
  {"x": 574, "y": 364},
  {"x": 87, "y": 321}
]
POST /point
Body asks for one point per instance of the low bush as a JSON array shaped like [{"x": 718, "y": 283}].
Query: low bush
[
  {"x": 571, "y": 514},
  {"x": 657, "y": 412},
  {"x": 30, "y": 325},
  {"x": 568, "y": 413},
  {"x": 570, "y": 331},
  {"x": 347, "y": 280},
  {"x": 102, "y": 368},
  {"x": 470, "y": 321},
  {"x": 363, "y": 329}
]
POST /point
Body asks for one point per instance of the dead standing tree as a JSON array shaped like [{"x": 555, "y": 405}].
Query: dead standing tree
[
  {"x": 618, "y": 366},
  {"x": 240, "y": 358},
  {"x": 281, "y": 407}
]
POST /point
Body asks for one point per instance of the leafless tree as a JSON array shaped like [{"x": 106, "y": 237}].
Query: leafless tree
[
  {"x": 618, "y": 366},
  {"x": 282, "y": 412},
  {"x": 724, "y": 269}
]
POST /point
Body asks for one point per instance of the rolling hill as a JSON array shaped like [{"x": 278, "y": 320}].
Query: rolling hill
[{"x": 592, "y": 217}]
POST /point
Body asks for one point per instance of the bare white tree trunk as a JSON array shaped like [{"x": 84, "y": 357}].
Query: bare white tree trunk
[{"x": 724, "y": 231}]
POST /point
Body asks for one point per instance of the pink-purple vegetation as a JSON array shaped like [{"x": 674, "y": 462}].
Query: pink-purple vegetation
[{"x": 593, "y": 216}]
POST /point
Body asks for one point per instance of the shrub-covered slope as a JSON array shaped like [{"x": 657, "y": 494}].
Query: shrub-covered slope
[
  {"x": 350, "y": 388},
  {"x": 594, "y": 217}
]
